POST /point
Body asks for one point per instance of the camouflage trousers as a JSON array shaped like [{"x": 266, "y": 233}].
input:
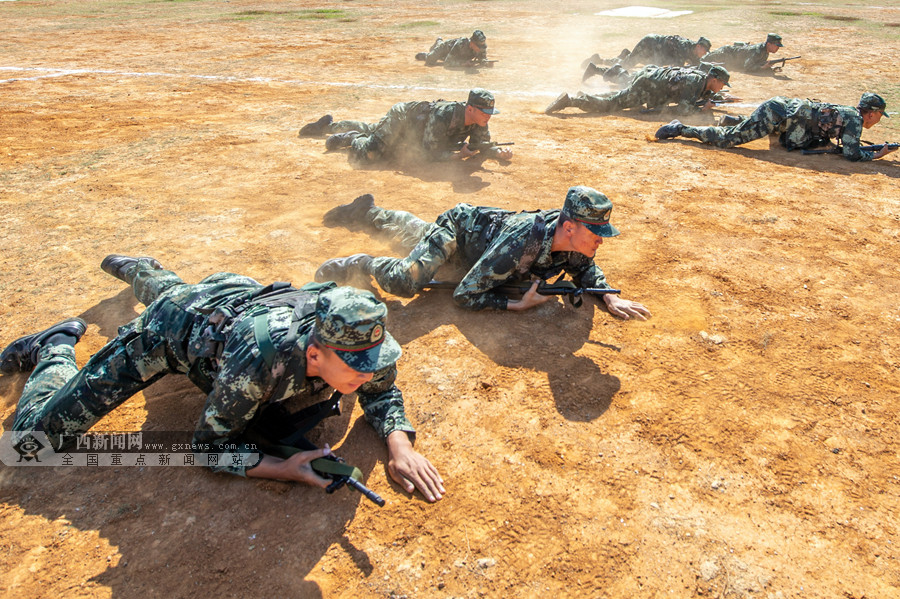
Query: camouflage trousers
[
  {"x": 62, "y": 400},
  {"x": 431, "y": 245},
  {"x": 650, "y": 50},
  {"x": 770, "y": 117},
  {"x": 639, "y": 92},
  {"x": 375, "y": 141}
]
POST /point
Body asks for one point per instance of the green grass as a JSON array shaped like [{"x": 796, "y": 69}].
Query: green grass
[
  {"x": 416, "y": 24},
  {"x": 308, "y": 14}
]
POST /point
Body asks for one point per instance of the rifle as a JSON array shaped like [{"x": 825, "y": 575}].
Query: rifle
[
  {"x": 772, "y": 63},
  {"x": 566, "y": 288},
  {"x": 482, "y": 147},
  {"x": 275, "y": 422},
  {"x": 485, "y": 63},
  {"x": 840, "y": 149}
]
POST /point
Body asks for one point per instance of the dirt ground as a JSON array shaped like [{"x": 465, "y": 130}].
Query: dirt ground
[{"x": 741, "y": 443}]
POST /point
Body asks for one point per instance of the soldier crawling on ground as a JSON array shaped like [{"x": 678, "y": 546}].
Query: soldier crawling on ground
[
  {"x": 800, "y": 124},
  {"x": 660, "y": 50},
  {"x": 748, "y": 58},
  {"x": 494, "y": 246},
  {"x": 430, "y": 131},
  {"x": 459, "y": 52},
  {"x": 256, "y": 357},
  {"x": 690, "y": 89}
]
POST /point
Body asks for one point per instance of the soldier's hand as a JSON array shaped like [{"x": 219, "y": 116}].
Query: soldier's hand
[
  {"x": 295, "y": 468},
  {"x": 412, "y": 470},
  {"x": 884, "y": 151},
  {"x": 530, "y": 299},
  {"x": 624, "y": 308},
  {"x": 504, "y": 154},
  {"x": 465, "y": 152}
]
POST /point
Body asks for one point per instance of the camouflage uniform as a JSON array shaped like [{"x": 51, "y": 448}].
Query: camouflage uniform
[
  {"x": 438, "y": 128},
  {"x": 495, "y": 246},
  {"x": 454, "y": 53},
  {"x": 747, "y": 58},
  {"x": 672, "y": 50},
  {"x": 655, "y": 87},
  {"x": 62, "y": 400},
  {"x": 801, "y": 124}
]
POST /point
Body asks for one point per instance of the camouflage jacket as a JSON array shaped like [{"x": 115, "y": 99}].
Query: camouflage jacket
[
  {"x": 673, "y": 50},
  {"x": 748, "y": 58},
  {"x": 661, "y": 86},
  {"x": 501, "y": 247},
  {"x": 239, "y": 383},
  {"x": 810, "y": 124},
  {"x": 444, "y": 129}
]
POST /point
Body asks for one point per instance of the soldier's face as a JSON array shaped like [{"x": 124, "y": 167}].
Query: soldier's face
[
  {"x": 871, "y": 118},
  {"x": 772, "y": 48},
  {"x": 327, "y": 365},
  {"x": 716, "y": 85},
  {"x": 584, "y": 241},
  {"x": 476, "y": 116},
  {"x": 699, "y": 50}
]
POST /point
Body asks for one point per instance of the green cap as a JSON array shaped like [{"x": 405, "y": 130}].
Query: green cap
[
  {"x": 704, "y": 42},
  {"x": 720, "y": 73},
  {"x": 870, "y": 101},
  {"x": 351, "y": 322},
  {"x": 483, "y": 100},
  {"x": 479, "y": 38},
  {"x": 590, "y": 208},
  {"x": 774, "y": 38}
]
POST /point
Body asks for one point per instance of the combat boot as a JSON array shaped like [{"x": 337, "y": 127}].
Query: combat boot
[
  {"x": 595, "y": 59},
  {"x": 592, "y": 70},
  {"x": 421, "y": 56},
  {"x": 615, "y": 73},
  {"x": 340, "y": 140},
  {"x": 563, "y": 101},
  {"x": 117, "y": 265},
  {"x": 353, "y": 213},
  {"x": 317, "y": 128},
  {"x": 728, "y": 120},
  {"x": 22, "y": 354},
  {"x": 352, "y": 270},
  {"x": 669, "y": 131}
]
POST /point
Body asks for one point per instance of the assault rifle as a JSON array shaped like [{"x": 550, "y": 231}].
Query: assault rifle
[
  {"x": 484, "y": 63},
  {"x": 777, "y": 69},
  {"x": 840, "y": 150},
  {"x": 566, "y": 288},
  {"x": 275, "y": 422}
]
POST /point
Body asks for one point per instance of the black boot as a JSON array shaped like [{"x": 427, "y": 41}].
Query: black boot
[
  {"x": 563, "y": 101},
  {"x": 352, "y": 270},
  {"x": 421, "y": 56},
  {"x": 353, "y": 213},
  {"x": 590, "y": 71},
  {"x": 117, "y": 265},
  {"x": 21, "y": 355},
  {"x": 316, "y": 129}
]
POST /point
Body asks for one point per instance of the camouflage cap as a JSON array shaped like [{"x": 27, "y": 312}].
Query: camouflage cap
[
  {"x": 483, "y": 100},
  {"x": 351, "y": 322},
  {"x": 870, "y": 101},
  {"x": 590, "y": 208},
  {"x": 479, "y": 38},
  {"x": 774, "y": 38},
  {"x": 704, "y": 42},
  {"x": 720, "y": 73}
]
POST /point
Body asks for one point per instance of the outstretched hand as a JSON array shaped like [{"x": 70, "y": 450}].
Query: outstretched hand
[
  {"x": 624, "y": 308},
  {"x": 412, "y": 470}
]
